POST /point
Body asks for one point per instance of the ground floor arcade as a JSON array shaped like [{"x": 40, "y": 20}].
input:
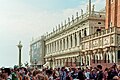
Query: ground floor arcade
[{"x": 106, "y": 56}]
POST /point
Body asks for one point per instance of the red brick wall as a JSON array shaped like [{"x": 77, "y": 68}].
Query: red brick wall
[
  {"x": 112, "y": 13},
  {"x": 108, "y": 10},
  {"x": 118, "y": 15}
]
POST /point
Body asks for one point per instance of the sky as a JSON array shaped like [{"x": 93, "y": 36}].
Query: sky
[{"x": 22, "y": 20}]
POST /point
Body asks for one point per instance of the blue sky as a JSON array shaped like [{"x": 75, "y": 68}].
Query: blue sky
[{"x": 24, "y": 19}]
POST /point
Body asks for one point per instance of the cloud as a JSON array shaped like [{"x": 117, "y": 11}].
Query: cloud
[{"x": 21, "y": 21}]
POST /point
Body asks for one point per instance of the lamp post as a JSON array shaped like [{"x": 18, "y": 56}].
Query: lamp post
[{"x": 20, "y": 47}]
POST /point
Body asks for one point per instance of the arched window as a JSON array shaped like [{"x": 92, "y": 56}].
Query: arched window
[
  {"x": 108, "y": 59},
  {"x": 85, "y": 32},
  {"x": 87, "y": 60},
  {"x": 97, "y": 58},
  {"x": 75, "y": 40},
  {"x": 71, "y": 62},
  {"x": 63, "y": 43},
  {"x": 55, "y": 45},
  {"x": 100, "y": 58},
  {"x": 104, "y": 58},
  {"x": 82, "y": 62},
  {"x": 60, "y": 44},
  {"x": 67, "y": 62},
  {"x": 67, "y": 42},
  {"x": 112, "y": 58},
  {"x": 94, "y": 59},
  {"x": 80, "y": 35},
  {"x": 79, "y": 60},
  {"x": 71, "y": 40}
]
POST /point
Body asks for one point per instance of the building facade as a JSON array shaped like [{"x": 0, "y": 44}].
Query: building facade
[
  {"x": 84, "y": 40},
  {"x": 37, "y": 53},
  {"x": 65, "y": 45}
]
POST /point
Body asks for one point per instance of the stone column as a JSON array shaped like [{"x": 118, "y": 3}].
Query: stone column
[
  {"x": 51, "y": 47},
  {"x": 48, "y": 48},
  {"x": 69, "y": 41},
  {"x": 94, "y": 55},
  {"x": 78, "y": 38},
  {"x": 73, "y": 60},
  {"x": 62, "y": 44},
  {"x": 87, "y": 58},
  {"x": 54, "y": 63},
  {"x": 109, "y": 54},
  {"x": 82, "y": 32},
  {"x": 65, "y": 43},
  {"x": 57, "y": 62},
  {"x": 83, "y": 59},
  {"x": 56, "y": 45},
  {"x": 73, "y": 40},
  {"x": 105, "y": 55},
  {"x": 61, "y": 62},
  {"x": 114, "y": 56},
  {"x": 59, "y": 45}
]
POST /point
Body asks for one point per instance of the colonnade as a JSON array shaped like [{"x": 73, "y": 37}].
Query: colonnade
[
  {"x": 69, "y": 41},
  {"x": 87, "y": 58}
]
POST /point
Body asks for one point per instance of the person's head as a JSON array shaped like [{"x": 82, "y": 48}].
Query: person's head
[
  {"x": 48, "y": 72},
  {"x": 63, "y": 68},
  {"x": 15, "y": 68},
  {"x": 26, "y": 77},
  {"x": 40, "y": 77},
  {"x": 115, "y": 78},
  {"x": 7, "y": 70},
  {"x": 99, "y": 67}
]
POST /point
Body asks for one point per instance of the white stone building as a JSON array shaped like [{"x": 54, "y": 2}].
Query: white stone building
[
  {"x": 83, "y": 40},
  {"x": 65, "y": 45}
]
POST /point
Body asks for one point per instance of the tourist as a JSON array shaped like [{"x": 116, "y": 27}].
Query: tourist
[
  {"x": 62, "y": 74},
  {"x": 99, "y": 73}
]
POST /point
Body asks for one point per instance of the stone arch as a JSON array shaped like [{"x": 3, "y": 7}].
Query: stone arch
[
  {"x": 97, "y": 58},
  {"x": 112, "y": 58},
  {"x": 82, "y": 60},
  {"x": 93, "y": 58},
  {"x": 105, "y": 57},
  {"x": 100, "y": 58},
  {"x": 88, "y": 60},
  {"x": 108, "y": 58}
]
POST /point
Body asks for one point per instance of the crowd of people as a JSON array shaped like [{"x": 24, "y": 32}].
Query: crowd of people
[{"x": 63, "y": 73}]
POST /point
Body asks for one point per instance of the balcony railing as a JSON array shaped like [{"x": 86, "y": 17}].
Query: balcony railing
[{"x": 103, "y": 32}]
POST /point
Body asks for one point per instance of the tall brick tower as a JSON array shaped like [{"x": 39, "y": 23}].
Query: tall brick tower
[{"x": 112, "y": 13}]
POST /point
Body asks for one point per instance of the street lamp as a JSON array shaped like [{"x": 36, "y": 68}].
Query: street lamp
[{"x": 20, "y": 47}]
